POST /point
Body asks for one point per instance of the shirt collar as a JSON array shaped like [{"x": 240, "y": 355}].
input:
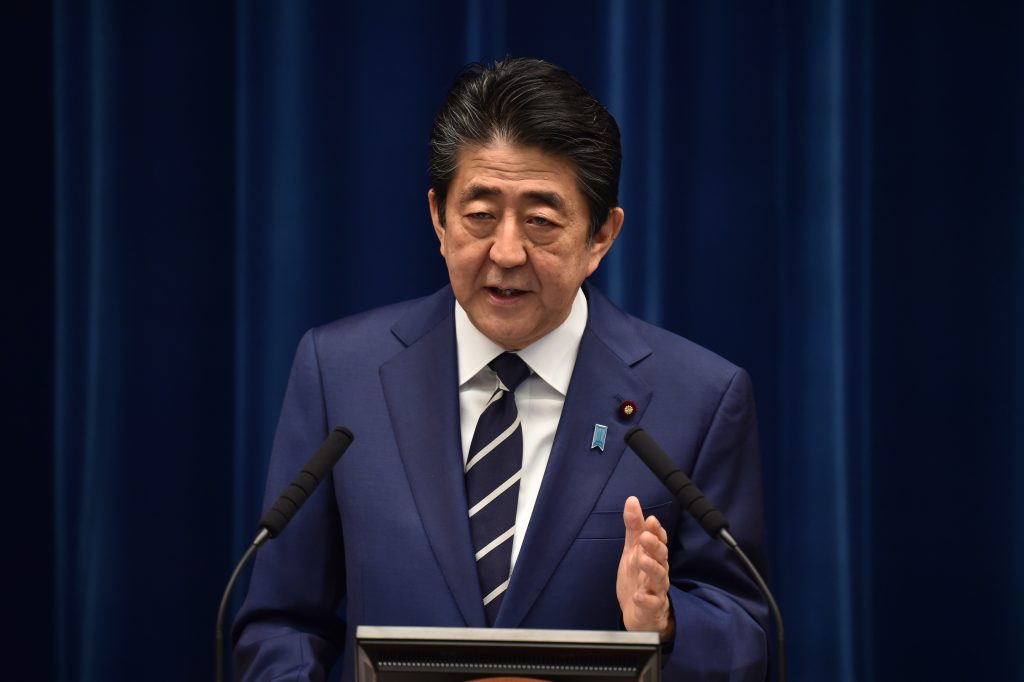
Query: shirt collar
[{"x": 551, "y": 357}]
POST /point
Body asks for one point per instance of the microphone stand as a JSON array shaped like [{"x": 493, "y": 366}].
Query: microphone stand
[{"x": 263, "y": 536}]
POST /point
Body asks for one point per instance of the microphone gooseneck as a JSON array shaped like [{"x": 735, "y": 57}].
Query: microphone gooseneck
[
  {"x": 710, "y": 519},
  {"x": 274, "y": 520}
]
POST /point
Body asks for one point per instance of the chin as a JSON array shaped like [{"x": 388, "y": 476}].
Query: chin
[
  {"x": 505, "y": 338},
  {"x": 506, "y": 342}
]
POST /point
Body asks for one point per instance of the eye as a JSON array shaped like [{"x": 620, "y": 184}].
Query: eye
[
  {"x": 479, "y": 215},
  {"x": 540, "y": 221}
]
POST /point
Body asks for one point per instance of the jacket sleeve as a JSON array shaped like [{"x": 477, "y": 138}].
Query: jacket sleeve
[
  {"x": 721, "y": 617},
  {"x": 289, "y": 625}
]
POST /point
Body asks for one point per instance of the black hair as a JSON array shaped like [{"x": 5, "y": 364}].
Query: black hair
[{"x": 532, "y": 103}]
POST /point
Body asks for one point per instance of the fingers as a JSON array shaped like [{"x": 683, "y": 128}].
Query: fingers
[
  {"x": 633, "y": 519},
  {"x": 642, "y": 583},
  {"x": 649, "y": 542},
  {"x": 653, "y": 577},
  {"x": 654, "y": 546},
  {"x": 652, "y": 524},
  {"x": 648, "y": 532},
  {"x": 652, "y": 604},
  {"x": 649, "y": 598}
]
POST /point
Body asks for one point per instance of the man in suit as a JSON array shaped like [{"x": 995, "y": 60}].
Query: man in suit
[{"x": 479, "y": 491}]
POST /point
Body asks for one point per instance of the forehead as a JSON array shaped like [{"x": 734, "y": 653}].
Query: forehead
[{"x": 508, "y": 169}]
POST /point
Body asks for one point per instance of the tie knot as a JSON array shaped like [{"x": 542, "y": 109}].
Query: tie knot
[{"x": 511, "y": 369}]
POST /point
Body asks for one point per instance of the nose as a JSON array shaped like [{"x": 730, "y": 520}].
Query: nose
[{"x": 507, "y": 249}]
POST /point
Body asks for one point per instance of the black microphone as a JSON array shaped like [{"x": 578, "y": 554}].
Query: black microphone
[
  {"x": 678, "y": 483},
  {"x": 277, "y": 517},
  {"x": 295, "y": 495},
  {"x": 709, "y": 518}
]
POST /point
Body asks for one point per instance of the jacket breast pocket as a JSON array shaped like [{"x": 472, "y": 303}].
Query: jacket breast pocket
[{"x": 607, "y": 525}]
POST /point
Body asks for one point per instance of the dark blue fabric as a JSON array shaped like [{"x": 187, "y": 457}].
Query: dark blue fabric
[{"x": 828, "y": 194}]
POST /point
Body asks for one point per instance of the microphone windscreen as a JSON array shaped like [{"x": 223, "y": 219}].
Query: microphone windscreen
[
  {"x": 317, "y": 469},
  {"x": 656, "y": 459},
  {"x": 330, "y": 451},
  {"x": 678, "y": 483}
]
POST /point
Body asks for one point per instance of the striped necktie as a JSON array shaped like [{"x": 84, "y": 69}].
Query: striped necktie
[{"x": 493, "y": 469}]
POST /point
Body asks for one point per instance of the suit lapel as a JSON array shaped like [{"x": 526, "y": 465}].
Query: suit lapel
[
  {"x": 421, "y": 388},
  {"x": 576, "y": 474}
]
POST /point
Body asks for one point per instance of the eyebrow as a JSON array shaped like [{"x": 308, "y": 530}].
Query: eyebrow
[
  {"x": 551, "y": 199},
  {"x": 548, "y": 199},
  {"x": 474, "y": 192}
]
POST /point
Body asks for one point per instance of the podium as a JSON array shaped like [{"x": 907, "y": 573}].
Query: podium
[{"x": 433, "y": 654}]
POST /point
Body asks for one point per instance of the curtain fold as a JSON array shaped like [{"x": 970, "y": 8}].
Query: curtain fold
[
  {"x": 825, "y": 320},
  {"x": 144, "y": 372},
  {"x": 828, "y": 194}
]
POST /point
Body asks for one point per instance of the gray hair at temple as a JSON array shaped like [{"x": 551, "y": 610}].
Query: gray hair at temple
[{"x": 531, "y": 103}]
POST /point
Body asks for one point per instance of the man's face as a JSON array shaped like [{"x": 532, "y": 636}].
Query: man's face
[{"x": 515, "y": 240}]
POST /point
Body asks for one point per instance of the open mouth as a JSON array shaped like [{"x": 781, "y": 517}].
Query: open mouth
[{"x": 505, "y": 293}]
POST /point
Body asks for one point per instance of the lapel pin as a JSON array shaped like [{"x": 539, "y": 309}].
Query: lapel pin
[
  {"x": 600, "y": 436},
  {"x": 627, "y": 409}
]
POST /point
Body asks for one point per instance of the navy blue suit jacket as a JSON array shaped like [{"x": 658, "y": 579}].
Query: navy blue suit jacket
[{"x": 387, "y": 541}]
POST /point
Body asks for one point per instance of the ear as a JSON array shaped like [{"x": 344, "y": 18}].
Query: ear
[
  {"x": 605, "y": 237},
  {"x": 435, "y": 217}
]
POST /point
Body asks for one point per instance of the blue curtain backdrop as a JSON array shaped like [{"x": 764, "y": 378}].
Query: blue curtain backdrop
[{"x": 830, "y": 194}]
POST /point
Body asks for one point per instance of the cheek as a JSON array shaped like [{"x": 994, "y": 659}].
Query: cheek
[
  {"x": 465, "y": 257},
  {"x": 571, "y": 263},
  {"x": 559, "y": 275}
]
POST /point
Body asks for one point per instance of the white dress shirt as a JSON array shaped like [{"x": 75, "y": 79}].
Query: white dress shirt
[{"x": 539, "y": 399}]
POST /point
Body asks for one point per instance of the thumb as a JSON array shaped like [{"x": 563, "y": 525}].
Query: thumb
[{"x": 633, "y": 519}]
